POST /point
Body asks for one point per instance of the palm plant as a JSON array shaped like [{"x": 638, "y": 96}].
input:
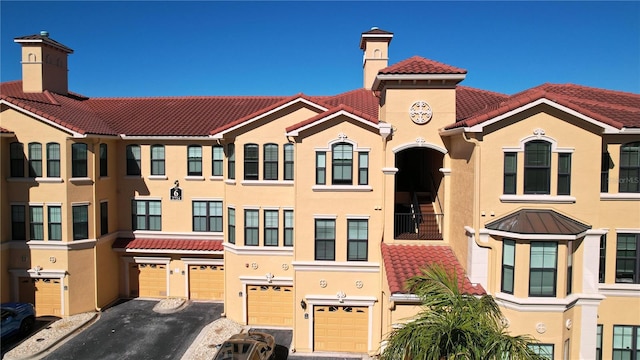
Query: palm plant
[{"x": 453, "y": 325}]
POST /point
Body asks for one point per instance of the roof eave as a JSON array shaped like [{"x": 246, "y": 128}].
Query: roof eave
[
  {"x": 296, "y": 132},
  {"x": 50, "y": 43},
  {"x": 455, "y": 78}
]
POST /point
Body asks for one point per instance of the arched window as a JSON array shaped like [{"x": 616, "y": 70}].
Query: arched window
[
  {"x": 194, "y": 160},
  {"x": 270, "y": 171},
  {"x": 342, "y": 164},
  {"x": 251, "y": 162},
  {"x": 35, "y": 159},
  {"x": 629, "y": 181},
  {"x": 537, "y": 167},
  {"x": 133, "y": 160},
  {"x": 157, "y": 160}
]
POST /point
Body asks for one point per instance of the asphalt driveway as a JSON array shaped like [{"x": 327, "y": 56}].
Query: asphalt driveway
[{"x": 132, "y": 330}]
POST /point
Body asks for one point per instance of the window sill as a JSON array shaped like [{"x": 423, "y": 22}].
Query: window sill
[
  {"x": 81, "y": 180},
  {"x": 157, "y": 177},
  {"x": 620, "y": 196},
  {"x": 230, "y": 181},
  {"x": 194, "y": 178},
  {"x": 216, "y": 178},
  {"x": 267, "y": 182},
  {"x": 133, "y": 177},
  {"x": 44, "y": 180},
  {"x": 539, "y": 199},
  {"x": 355, "y": 188}
]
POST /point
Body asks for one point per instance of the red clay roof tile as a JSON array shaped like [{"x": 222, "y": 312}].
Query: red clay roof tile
[
  {"x": 402, "y": 262},
  {"x": 168, "y": 244},
  {"x": 420, "y": 65}
]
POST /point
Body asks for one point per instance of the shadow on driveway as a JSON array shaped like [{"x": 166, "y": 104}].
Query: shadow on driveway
[{"x": 132, "y": 330}]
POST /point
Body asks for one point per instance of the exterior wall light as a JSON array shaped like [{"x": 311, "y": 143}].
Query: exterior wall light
[{"x": 303, "y": 304}]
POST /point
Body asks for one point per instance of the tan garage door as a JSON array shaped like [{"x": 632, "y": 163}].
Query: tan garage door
[
  {"x": 43, "y": 293},
  {"x": 341, "y": 328},
  {"x": 206, "y": 282},
  {"x": 270, "y": 305},
  {"x": 148, "y": 280}
]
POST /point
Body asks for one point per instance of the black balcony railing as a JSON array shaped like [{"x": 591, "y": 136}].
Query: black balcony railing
[{"x": 418, "y": 226}]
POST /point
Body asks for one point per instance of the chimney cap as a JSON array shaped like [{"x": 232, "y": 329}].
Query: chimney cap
[{"x": 44, "y": 33}]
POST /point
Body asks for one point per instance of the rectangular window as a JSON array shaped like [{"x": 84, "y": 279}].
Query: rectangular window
[
  {"x": 146, "y": 215},
  {"x": 288, "y": 227},
  {"x": 271, "y": 227},
  {"x": 544, "y": 350},
  {"x": 510, "y": 172},
  {"x": 626, "y": 342},
  {"x": 605, "y": 165},
  {"x": 564, "y": 174},
  {"x": 599, "y": 342},
  {"x": 288, "y": 161},
  {"x": 134, "y": 160},
  {"x": 194, "y": 160},
  {"x": 79, "y": 160},
  {"x": 251, "y": 224},
  {"x": 16, "y": 152},
  {"x": 357, "y": 239},
  {"x": 207, "y": 216},
  {"x": 537, "y": 167},
  {"x": 54, "y": 216},
  {"x": 627, "y": 263},
  {"x": 35, "y": 160},
  {"x": 104, "y": 165},
  {"x": 363, "y": 168},
  {"x": 53, "y": 160},
  {"x": 508, "y": 265},
  {"x": 217, "y": 159},
  {"x": 157, "y": 160},
  {"x": 231, "y": 162},
  {"x": 270, "y": 170},
  {"x": 629, "y": 179},
  {"x": 104, "y": 218},
  {"x": 18, "y": 222},
  {"x": 36, "y": 223},
  {"x": 569, "y": 267},
  {"x": 80, "y": 222},
  {"x": 325, "y": 239},
  {"x": 251, "y": 162},
  {"x": 543, "y": 268},
  {"x": 342, "y": 164},
  {"x": 603, "y": 258},
  {"x": 231, "y": 226},
  {"x": 321, "y": 168}
]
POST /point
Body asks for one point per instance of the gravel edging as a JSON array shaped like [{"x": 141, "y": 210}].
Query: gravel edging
[
  {"x": 205, "y": 346},
  {"x": 50, "y": 336}
]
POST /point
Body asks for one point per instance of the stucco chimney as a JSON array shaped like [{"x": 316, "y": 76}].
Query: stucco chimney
[
  {"x": 44, "y": 64},
  {"x": 375, "y": 44}
]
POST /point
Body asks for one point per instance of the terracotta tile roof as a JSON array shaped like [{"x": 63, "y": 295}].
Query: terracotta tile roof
[
  {"x": 470, "y": 100},
  {"x": 377, "y": 31},
  {"x": 167, "y": 244},
  {"x": 614, "y": 108},
  {"x": 402, "y": 262},
  {"x": 5, "y": 131},
  {"x": 373, "y": 34},
  {"x": 538, "y": 221},
  {"x": 420, "y": 65},
  {"x": 71, "y": 111},
  {"x": 363, "y": 100},
  {"x": 334, "y": 110}
]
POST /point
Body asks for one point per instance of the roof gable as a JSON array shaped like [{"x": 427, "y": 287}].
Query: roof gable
[
  {"x": 610, "y": 110},
  {"x": 420, "y": 65},
  {"x": 341, "y": 110}
]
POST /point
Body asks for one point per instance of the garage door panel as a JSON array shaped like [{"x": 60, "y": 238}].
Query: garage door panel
[
  {"x": 206, "y": 282},
  {"x": 341, "y": 328},
  {"x": 270, "y": 305},
  {"x": 148, "y": 280},
  {"x": 45, "y": 294}
]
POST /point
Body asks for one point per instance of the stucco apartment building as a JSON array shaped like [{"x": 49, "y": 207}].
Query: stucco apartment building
[{"x": 310, "y": 212}]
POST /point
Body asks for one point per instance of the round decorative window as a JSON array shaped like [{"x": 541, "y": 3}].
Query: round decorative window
[{"x": 420, "y": 112}]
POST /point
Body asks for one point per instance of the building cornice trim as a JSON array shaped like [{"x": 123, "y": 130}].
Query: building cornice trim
[{"x": 339, "y": 266}]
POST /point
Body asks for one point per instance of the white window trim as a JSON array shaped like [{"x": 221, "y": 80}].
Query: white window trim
[
  {"x": 80, "y": 180},
  {"x": 620, "y": 196},
  {"x": 346, "y": 188},
  {"x": 538, "y": 199},
  {"x": 523, "y": 141},
  {"x": 267, "y": 182},
  {"x": 194, "y": 178},
  {"x": 216, "y": 177},
  {"x": 157, "y": 177}
]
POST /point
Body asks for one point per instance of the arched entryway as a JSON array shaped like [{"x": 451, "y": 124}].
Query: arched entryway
[{"x": 419, "y": 194}]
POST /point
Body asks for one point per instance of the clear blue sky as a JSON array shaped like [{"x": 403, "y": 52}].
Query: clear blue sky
[{"x": 282, "y": 48}]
